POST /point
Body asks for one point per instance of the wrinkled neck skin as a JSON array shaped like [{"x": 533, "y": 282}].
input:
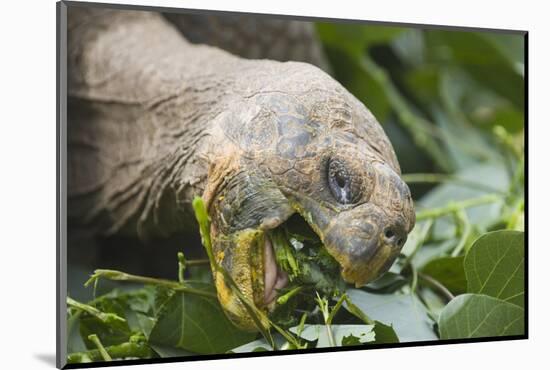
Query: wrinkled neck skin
[
  {"x": 143, "y": 118},
  {"x": 259, "y": 140}
]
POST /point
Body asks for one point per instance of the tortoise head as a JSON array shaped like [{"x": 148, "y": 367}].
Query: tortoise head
[{"x": 319, "y": 154}]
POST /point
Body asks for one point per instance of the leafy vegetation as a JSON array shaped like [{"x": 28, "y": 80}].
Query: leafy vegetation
[{"x": 452, "y": 103}]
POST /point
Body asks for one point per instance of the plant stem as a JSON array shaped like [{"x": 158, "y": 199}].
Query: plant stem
[
  {"x": 440, "y": 177},
  {"x": 465, "y": 232},
  {"x": 357, "y": 312},
  {"x": 301, "y": 324},
  {"x": 119, "y": 351},
  {"x": 102, "y": 316},
  {"x": 197, "y": 262},
  {"x": 414, "y": 282},
  {"x": 426, "y": 227},
  {"x": 323, "y": 306},
  {"x": 455, "y": 206},
  {"x": 284, "y": 298},
  {"x": 331, "y": 340},
  {"x": 516, "y": 214},
  {"x": 181, "y": 267},
  {"x": 336, "y": 308},
  {"x": 436, "y": 284},
  {"x": 123, "y": 276},
  {"x": 95, "y": 340},
  {"x": 201, "y": 215}
]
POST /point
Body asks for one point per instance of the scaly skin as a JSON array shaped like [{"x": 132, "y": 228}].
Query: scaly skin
[{"x": 155, "y": 120}]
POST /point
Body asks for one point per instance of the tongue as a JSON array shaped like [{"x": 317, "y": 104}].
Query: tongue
[
  {"x": 274, "y": 277},
  {"x": 270, "y": 269}
]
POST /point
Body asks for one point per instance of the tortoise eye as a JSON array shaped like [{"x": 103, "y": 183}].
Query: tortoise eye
[{"x": 341, "y": 184}]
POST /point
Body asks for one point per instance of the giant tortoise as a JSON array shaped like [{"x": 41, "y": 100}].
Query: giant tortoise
[{"x": 157, "y": 117}]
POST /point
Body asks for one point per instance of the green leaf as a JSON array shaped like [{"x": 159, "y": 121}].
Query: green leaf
[
  {"x": 477, "y": 316},
  {"x": 319, "y": 333},
  {"x": 449, "y": 271},
  {"x": 495, "y": 266},
  {"x": 111, "y": 333},
  {"x": 406, "y": 314},
  {"x": 384, "y": 333},
  {"x": 145, "y": 323},
  {"x": 197, "y": 324},
  {"x": 168, "y": 351}
]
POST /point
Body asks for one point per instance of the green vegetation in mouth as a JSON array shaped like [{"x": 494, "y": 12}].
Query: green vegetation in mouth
[
  {"x": 306, "y": 261},
  {"x": 300, "y": 253}
]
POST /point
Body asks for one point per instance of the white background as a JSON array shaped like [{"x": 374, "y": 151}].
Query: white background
[{"x": 27, "y": 182}]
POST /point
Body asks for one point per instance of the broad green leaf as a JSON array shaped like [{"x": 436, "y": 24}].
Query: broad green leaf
[
  {"x": 168, "y": 351},
  {"x": 319, "y": 333},
  {"x": 162, "y": 295},
  {"x": 384, "y": 333},
  {"x": 404, "y": 312},
  {"x": 128, "y": 304},
  {"x": 495, "y": 266},
  {"x": 197, "y": 324},
  {"x": 449, "y": 271},
  {"x": 145, "y": 323},
  {"x": 477, "y": 316}
]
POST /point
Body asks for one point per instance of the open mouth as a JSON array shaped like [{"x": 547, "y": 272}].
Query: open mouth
[{"x": 274, "y": 277}]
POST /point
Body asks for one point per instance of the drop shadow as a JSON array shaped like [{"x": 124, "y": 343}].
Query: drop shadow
[{"x": 47, "y": 358}]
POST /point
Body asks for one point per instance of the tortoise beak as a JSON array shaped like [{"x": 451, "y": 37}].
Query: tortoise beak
[{"x": 366, "y": 242}]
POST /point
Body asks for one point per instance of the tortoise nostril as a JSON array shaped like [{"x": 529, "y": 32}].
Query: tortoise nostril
[{"x": 394, "y": 235}]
